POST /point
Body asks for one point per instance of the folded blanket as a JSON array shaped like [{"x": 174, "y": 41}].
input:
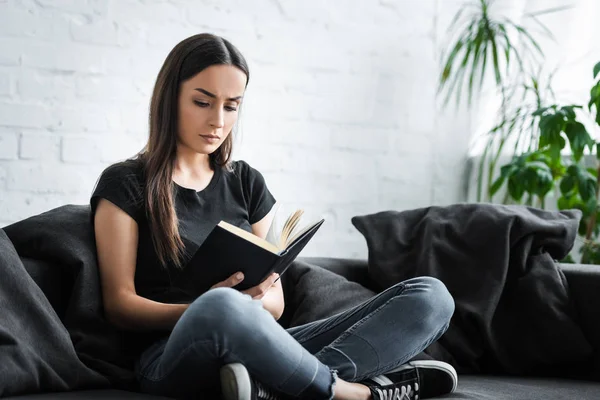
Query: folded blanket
[{"x": 513, "y": 311}]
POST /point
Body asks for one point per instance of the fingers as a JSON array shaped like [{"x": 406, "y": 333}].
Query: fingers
[
  {"x": 272, "y": 279},
  {"x": 231, "y": 281},
  {"x": 259, "y": 291}
]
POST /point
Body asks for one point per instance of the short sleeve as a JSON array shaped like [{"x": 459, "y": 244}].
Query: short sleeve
[
  {"x": 121, "y": 184},
  {"x": 261, "y": 201}
]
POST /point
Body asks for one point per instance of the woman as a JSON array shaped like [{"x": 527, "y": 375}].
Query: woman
[{"x": 153, "y": 211}]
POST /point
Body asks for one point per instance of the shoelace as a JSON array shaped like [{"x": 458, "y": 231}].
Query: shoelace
[
  {"x": 402, "y": 393},
  {"x": 264, "y": 393}
]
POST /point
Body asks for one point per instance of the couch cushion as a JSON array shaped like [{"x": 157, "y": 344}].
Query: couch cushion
[
  {"x": 90, "y": 395},
  {"x": 36, "y": 351},
  {"x": 63, "y": 238},
  {"x": 498, "y": 387},
  {"x": 55, "y": 284},
  {"x": 312, "y": 293}
]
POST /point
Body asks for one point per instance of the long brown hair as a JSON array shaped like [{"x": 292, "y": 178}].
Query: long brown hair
[{"x": 188, "y": 58}]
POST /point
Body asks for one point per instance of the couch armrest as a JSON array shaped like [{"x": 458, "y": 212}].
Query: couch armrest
[{"x": 584, "y": 287}]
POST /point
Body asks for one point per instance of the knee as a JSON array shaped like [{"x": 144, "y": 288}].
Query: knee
[
  {"x": 221, "y": 309},
  {"x": 435, "y": 301}
]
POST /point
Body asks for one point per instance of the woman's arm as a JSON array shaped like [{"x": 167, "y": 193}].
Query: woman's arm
[
  {"x": 116, "y": 242},
  {"x": 273, "y": 300}
]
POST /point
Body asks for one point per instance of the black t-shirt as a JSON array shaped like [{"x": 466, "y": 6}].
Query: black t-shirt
[{"x": 239, "y": 197}]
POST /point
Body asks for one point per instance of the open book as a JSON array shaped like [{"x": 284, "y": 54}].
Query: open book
[
  {"x": 278, "y": 239},
  {"x": 229, "y": 249}
]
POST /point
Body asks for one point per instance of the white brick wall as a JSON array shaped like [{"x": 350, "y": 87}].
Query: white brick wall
[{"x": 340, "y": 115}]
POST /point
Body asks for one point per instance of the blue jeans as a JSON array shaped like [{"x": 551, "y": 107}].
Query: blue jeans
[{"x": 225, "y": 326}]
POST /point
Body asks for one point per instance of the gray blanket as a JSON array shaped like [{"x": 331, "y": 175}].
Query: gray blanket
[{"x": 513, "y": 310}]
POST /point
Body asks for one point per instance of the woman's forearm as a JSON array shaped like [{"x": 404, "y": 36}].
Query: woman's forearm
[{"x": 133, "y": 312}]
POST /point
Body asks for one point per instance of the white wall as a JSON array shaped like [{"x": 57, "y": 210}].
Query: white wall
[{"x": 340, "y": 115}]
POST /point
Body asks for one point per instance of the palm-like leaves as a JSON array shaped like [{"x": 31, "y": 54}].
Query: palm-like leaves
[{"x": 482, "y": 42}]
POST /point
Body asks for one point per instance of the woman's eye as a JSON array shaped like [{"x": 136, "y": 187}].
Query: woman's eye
[
  {"x": 201, "y": 103},
  {"x": 230, "y": 108}
]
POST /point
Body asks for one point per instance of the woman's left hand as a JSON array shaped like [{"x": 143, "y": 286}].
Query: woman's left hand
[{"x": 259, "y": 291}]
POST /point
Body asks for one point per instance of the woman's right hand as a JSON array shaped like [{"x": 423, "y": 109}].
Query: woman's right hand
[{"x": 231, "y": 281}]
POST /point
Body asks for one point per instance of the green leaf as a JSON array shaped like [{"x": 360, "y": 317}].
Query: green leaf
[
  {"x": 551, "y": 125},
  {"x": 540, "y": 111},
  {"x": 574, "y": 170},
  {"x": 569, "y": 111},
  {"x": 582, "y": 230},
  {"x": 567, "y": 184},
  {"x": 596, "y": 70},
  {"x": 497, "y": 74},
  {"x": 455, "y": 19},
  {"x": 507, "y": 45},
  {"x": 595, "y": 101},
  {"x": 525, "y": 33},
  {"x": 515, "y": 189},
  {"x": 587, "y": 189},
  {"x": 448, "y": 66},
  {"x": 563, "y": 203},
  {"x": 474, "y": 64},
  {"x": 545, "y": 183},
  {"x": 579, "y": 139},
  {"x": 507, "y": 170},
  {"x": 496, "y": 185}
]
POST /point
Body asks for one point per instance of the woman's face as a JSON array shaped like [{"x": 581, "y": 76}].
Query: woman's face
[{"x": 208, "y": 107}]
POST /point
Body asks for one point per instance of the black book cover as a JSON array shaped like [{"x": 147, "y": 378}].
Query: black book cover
[{"x": 224, "y": 253}]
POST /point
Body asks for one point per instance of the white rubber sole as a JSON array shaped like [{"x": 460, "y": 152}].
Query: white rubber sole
[
  {"x": 235, "y": 382},
  {"x": 431, "y": 364}
]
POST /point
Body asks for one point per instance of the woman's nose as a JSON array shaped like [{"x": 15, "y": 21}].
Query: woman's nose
[{"x": 217, "y": 118}]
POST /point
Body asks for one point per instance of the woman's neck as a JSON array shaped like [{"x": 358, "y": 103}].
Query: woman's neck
[{"x": 191, "y": 166}]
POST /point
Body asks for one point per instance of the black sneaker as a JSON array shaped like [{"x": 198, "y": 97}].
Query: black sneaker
[
  {"x": 395, "y": 385},
  {"x": 236, "y": 384},
  {"x": 420, "y": 379}
]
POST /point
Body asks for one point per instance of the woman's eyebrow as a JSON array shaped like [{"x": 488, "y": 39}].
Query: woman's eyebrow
[{"x": 209, "y": 94}]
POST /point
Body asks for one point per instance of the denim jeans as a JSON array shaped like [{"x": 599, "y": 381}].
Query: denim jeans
[{"x": 225, "y": 326}]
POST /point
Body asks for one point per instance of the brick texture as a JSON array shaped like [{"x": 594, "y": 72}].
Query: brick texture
[{"x": 340, "y": 114}]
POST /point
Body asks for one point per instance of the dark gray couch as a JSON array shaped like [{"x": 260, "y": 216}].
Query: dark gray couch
[{"x": 584, "y": 281}]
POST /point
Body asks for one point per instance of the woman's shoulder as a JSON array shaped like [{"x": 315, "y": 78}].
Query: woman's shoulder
[
  {"x": 123, "y": 176},
  {"x": 122, "y": 184},
  {"x": 130, "y": 170},
  {"x": 243, "y": 169}
]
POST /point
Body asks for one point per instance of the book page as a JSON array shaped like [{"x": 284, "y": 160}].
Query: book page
[
  {"x": 289, "y": 227},
  {"x": 299, "y": 232},
  {"x": 283, "y": 212},
  {"x": 274, "y": 232},
  {"x": 249, "y": 237}
]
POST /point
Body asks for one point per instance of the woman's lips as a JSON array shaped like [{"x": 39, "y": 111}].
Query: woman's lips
[{"x": 210, "y": 139}]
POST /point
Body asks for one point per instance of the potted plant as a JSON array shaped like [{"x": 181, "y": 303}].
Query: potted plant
[
  {"x": 574, "y": 177},
  {"x": 483, "y": 46}
]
